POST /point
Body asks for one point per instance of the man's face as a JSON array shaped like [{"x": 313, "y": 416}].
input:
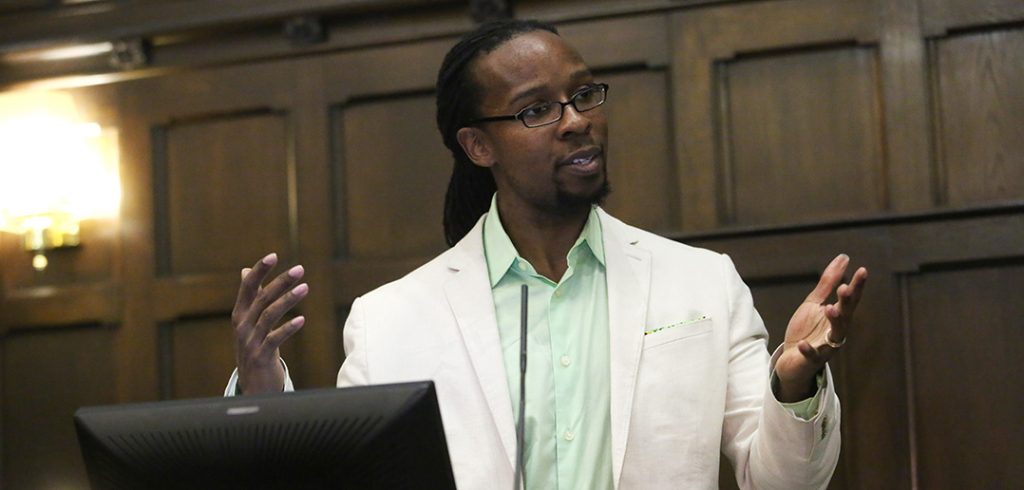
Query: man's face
[{"x": 555, "y": 168}]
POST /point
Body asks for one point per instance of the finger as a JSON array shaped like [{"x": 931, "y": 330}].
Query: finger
[
  {"x": 812, "y": 354},
  {"x": 251, "y": 281},
  {"x": 276, "y": 310},
  {"x": 273, "y": 291},
  {"x": 838, "y": 320},
  {"x": 856, "y": 289},
  {"x": 840, "y": 314},
  {"x": 282, "y": 333},
  {"x": 829, "y": 279}
]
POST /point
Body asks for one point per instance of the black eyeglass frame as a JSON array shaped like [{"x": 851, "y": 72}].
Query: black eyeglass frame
[{"x": 561, "y": 108}]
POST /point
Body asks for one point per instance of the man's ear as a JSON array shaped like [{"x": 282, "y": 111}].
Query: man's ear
[{"x": 474, "y": 142}]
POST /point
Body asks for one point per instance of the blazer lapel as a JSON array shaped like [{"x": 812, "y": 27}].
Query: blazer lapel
[
  {"x": 469, "y": 295},
  {"x": 628, "y": 269}
]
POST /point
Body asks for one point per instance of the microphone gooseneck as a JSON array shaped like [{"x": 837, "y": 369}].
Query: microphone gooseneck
[{"x": 521, "y": 422}]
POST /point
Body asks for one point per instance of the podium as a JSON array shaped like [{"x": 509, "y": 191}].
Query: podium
[{"x": 382, "y": 436}]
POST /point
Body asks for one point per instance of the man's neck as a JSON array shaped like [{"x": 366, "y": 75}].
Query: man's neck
[{"x": 543, "y": 238}]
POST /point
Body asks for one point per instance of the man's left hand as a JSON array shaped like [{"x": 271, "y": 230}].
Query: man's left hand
[{"x": 806, "y": 348}]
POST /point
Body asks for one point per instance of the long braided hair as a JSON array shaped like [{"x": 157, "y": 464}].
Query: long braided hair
[{"x": 458, "y": 98}]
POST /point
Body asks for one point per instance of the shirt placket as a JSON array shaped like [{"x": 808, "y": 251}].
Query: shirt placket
[
  {"x": 564, "y": 375},
  {"x": 540, "y": 406}
]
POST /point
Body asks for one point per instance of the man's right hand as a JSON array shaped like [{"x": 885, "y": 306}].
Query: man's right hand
[{"x": 258, "y": 336}]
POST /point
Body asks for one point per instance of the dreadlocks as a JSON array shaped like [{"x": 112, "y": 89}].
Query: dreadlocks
[{"x": 458, "y": 97}]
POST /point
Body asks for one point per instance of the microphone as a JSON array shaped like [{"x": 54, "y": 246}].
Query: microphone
[{"x": 521, "y": 423}]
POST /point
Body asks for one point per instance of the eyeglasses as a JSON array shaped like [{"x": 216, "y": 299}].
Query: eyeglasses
[{"x": 546, "y": 113}]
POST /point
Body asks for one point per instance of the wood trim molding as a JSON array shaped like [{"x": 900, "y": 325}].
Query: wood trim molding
[
  {"x": 48, "y": 306},
  {"x": 938, "y": 17},
  {"x": 142, "y": 19}
]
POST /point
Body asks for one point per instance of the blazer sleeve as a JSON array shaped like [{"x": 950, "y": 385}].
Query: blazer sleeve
[
  {"x": 355, "y": 370},
  {"x": 770, "y": 448}
]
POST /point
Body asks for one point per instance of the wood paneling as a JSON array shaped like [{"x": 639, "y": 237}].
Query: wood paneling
[
  {"x": 47, "y": 375},
  {"x": 393, "y": 186},
  {"x": 148, "y": 18},
  {"x": 198, "y": 348},
  {"x": 209, "y": 187},
  {"x": 393, "y": 85},
  {"x": 965, "y": 350},
  {"x": 800, "y": 137},
  {"x": 16, "y": 6},
  {"x": 724, "y": 148},
  {"x": 227, "y": 195},
  {"x": 67, "y": 305},
  {"x": 938, "y": 16},
  {"x": 639, "y": 153},
  {"x": 903, "y": 86},
  {"x": 980, "y": 84}
]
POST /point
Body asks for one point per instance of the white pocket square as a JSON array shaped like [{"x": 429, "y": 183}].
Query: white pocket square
[{"x": 684, "y": 323}]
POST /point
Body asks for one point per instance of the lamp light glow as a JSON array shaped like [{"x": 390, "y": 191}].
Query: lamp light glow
[{"x": 55, "y": 170}]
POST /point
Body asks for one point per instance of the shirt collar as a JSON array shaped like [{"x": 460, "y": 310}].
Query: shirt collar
[{"x": 501, "y": 254}]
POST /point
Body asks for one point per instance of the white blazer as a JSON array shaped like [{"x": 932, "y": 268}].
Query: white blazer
[{"x": 679, "y": 397}]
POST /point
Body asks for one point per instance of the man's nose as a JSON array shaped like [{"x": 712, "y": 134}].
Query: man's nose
[{"x": 573, "y": 122}]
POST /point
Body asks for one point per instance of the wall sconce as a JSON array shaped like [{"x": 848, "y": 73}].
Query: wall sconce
[{"x": 55, "y": 171}]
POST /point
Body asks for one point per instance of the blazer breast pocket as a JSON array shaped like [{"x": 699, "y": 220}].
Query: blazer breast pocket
[{"x": 675, "y": 332}]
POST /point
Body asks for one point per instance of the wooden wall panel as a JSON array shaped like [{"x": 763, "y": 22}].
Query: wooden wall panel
[
  {"x": 228, "y": 189},
  {"x": 800, "y": 137},
  {"x": 966, "y": 346},
  {"x": 395, "y": 174},
  {"x": 210, "y": 182},
  {"x": 726, "y": 151},
  {"x": 938, "y": 16},
  {"x": 47, "y": 374},
  {"x": 639, "y": 150},
  {"x": 382, "y": 128},
  {"x": 199, "y": 348},
  {"x": 905, "y": 114},
  {"x": 980, "y": 111}
]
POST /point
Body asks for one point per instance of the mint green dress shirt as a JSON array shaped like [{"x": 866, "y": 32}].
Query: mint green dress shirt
[{"x": 568, "y": 427}]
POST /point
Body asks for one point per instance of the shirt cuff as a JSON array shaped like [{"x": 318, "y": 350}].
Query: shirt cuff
[
  {"x": 232, "y": 388},
  {"x": 804, "y": 409}
]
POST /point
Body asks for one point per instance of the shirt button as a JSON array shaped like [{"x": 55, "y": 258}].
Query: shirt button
[
  {"x": 521, "y": 265},
  {"x": 566, "y": 361},
  {"x": 569, "y": 435},
  {"x": 558, "y": 294}
]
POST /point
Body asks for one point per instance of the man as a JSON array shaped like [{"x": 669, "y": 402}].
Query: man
[{"x": 647, "y": 358}]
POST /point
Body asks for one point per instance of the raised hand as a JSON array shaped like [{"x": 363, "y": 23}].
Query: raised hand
[
  {"x": 258, "y": 335},
  {"x": 817, "y": 329}
]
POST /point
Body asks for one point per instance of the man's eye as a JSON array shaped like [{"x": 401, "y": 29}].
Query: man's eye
[
  {"x": 586, "y": 95},
  {"x": 537, "y": 111}
]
